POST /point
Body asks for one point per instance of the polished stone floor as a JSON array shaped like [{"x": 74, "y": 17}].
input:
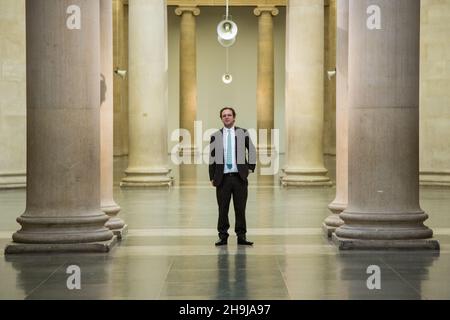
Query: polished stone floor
[{"x": 169, "y": 251}]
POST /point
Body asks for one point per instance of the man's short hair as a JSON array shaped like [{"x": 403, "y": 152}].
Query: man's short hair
[{"x": 227, "y": 108}]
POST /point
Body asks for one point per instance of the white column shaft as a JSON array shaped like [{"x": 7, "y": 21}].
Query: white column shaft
[
  {"x": 305, "y": 94},
  {"x": 148, "y": 86}
]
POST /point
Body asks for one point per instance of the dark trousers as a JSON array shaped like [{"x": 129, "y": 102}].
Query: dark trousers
[{"x": 232, "y": 185}]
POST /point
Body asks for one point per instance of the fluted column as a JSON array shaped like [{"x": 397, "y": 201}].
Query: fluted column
[
  {"x": 148, "y": 154},
  {"x": 304, "y": 94},
  {"x": 340, "y": 202},
  {"x": 63, "y": 130},
  {"x": 13, "y": 96},
  {"x": 188, "y": 74},
  {"x": 383, "y": 210},
  {"x": 109, "y": 206},
  {"x": 265, "y": 95}
]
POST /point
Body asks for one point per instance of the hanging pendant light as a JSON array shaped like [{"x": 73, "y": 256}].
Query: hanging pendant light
[
  {"x": 227, "y": 31},
  {"x": 227, "y": 78}
]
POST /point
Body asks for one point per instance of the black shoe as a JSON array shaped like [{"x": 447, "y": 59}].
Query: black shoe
[
  {"x": 244, "y": 242},
  {"x": 221, "y": 242}
]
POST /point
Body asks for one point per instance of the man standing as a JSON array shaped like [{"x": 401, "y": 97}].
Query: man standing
[{"x": 228, "y": 172}]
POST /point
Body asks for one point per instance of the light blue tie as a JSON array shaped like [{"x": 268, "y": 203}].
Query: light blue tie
[{"x": 229, "y": 151}]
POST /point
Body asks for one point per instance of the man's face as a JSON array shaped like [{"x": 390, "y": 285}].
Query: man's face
[{"x": 228, "y": 118}]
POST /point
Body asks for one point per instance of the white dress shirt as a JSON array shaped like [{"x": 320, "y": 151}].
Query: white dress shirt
[{"x": 233, "y": 149}]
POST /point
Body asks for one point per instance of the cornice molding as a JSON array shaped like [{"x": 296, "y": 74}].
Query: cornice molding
[{"x": 221, "y": 3}]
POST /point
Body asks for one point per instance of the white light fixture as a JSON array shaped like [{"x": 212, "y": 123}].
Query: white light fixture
[
  {"x": 121, "y": 73},
  {"x": 227, "y": 78},
  {"x": 331, "y": 74},
  {"x": 226, "y": 43},
  {"x": 227, "y": 31}
]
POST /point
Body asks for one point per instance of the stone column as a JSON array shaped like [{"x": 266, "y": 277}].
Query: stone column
[
  {"x": 383, "y": 210},
  {"x": 148, "y": 154},
  {"x": 63, "y": 130},
  {"x": 265, "y": 95},
  {"x": 304, "y": 94},
  {"x": 329, "y": 109},
  {"x": 109, "y": 206},
  {"x": 120, "y": 38},
  {"x": 13, "y": 95},
  {"x": 340, "y": 202},
  {"x": 188, "y": 74}
]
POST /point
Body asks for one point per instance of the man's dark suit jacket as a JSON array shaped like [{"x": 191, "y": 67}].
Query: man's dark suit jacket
[{"x": 243, "y": 143}]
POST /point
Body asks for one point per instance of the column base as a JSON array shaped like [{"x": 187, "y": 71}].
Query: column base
[
  {"x": 13, "y": 180},
  {"x": 435, "y": 179},
  {"x": 331, "y": 223},
  {"x": 115, "y": 224},
  {"x": 146, "y": 178},
  {"x": 120, "y": 233},
  {"x": 111, "y": 210},
  {"x": 328, "y": 230},
  {"x": 337, "y": 207},
  {"x": 363, "y": 244},
  {"x": 87, "y": 227},
  {"x": 90, "y": 247},
  {"x": 305, "y": 178},
  {"x": 384, "y": 225}
]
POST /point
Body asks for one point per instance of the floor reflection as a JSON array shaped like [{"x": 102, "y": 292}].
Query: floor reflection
[
  {"x": 49, "y": 277},
  {"x": 401, "y": 273},
  {"x": 232, "y": 277},
  {"x": 169, "y": 252}
]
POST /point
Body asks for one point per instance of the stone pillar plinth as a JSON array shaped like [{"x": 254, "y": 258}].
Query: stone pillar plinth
[
  {"x": 148, "y": 86},
  {"x": 265, "y": 92},
  {"x": 304, "y": 95},
  {"x": 383, "y": 210},
  {"x": 63, "y": 131},
  {"x": 340, "y": 202},
  {"x": 188, "y": 74},
  {"x": 109, "y": 206}
]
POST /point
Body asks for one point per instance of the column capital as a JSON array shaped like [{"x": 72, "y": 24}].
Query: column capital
[
  {"x": 183, "y": 9},
  {"x": 271, "y": 9}
]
